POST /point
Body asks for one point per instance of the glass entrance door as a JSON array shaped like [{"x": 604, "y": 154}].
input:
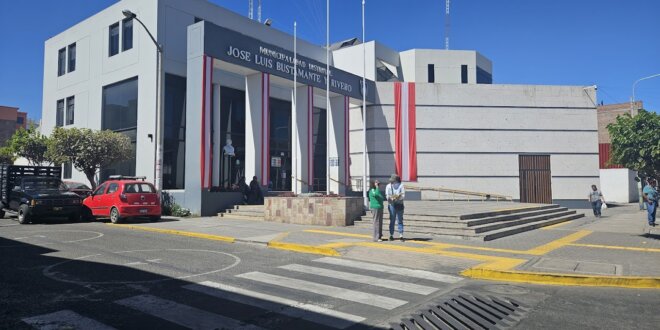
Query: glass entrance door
[
  {"x": 280, "y": 145},
  {"x": 319, "y": 123}
]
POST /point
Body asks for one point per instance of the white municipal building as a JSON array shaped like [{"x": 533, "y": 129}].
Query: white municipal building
[{"x": 433, "y": 116}]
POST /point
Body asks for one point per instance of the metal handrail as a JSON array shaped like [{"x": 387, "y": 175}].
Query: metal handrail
[{"x": 484, "y": 196}]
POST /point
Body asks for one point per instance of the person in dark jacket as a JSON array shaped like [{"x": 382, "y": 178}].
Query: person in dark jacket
[{"x": 255, "y": 196}]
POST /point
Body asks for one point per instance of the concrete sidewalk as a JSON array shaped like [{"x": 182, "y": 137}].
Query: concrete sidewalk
[{"x": 618, "y": 249}]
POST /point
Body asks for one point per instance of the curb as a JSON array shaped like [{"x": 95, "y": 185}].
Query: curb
[
  {"x": 227, "y": 239},
  {"x": 563, "y": 279},
  {"x": 326, "y": 251}
]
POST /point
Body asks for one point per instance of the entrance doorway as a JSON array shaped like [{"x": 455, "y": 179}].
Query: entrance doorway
[
  {"x": 280, "y": 145},
  {"x": 535, "y": 179}
]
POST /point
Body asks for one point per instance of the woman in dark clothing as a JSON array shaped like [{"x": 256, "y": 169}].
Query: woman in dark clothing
[{"x": 255, "y": 192}]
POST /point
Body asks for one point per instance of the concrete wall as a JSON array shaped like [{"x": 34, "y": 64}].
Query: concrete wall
[
  {"x": 469, "y": 136},
  {"x": 619, "y": 185},
  {"x": 447, "y": 65}
]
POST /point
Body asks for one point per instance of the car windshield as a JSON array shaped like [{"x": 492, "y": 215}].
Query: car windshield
[
  {"x": 44, "y": 184},
  {"x": 77, "y": 185},
  {"x": 133, "y": 188}
]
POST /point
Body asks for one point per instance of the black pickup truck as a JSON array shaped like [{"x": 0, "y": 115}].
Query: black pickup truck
[{"x": 36, "y": 192}]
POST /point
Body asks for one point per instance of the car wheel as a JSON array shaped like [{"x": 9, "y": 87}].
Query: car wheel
[
  {"x": 2, "y": 214},
  {"x": 114, "y": 215},
  {"x": 154, "y": 218},
  {"x": 24, "y": 214},
  {"x": 86, "y": 214}
]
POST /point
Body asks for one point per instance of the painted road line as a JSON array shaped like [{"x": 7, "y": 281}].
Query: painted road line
[
  {"x": 326, "y": 251},
  {"x": 182, "y": 315},
  {"x": 352, "y": 277},
  {"x": 326, "y": 290},
  {"x": 330, "y": 232},
  {"x": 614, "y": 247},
  {"x": 417, "y": 273},
  {"x": 559, "y": 243},
  {"x": 64, "y": 319},
  {"x": 178, "y": 232},
  {"x": 284, "y": 306}
]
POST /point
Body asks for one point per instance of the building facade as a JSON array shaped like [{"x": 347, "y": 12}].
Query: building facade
[
  {"x": 10, "y": 120},
  {"x": 232, "y": 110}
]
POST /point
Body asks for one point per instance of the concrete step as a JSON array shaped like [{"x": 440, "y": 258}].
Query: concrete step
[
  {"x": 249, "y": 207},
  {"x": 245, "y": 212},
  {"x": 241, "y": 216},
  {"x": 511, "y": 223},
  {"x": 528, "y": 226},
  {"x": 505, "y": 211}
]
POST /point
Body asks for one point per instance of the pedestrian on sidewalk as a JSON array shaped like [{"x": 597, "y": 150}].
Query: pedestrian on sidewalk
[
  {"x": 376, "y": 206},
  {"x": 596, "y": 200},
  {"x": 650, "y": 194},
  {"x": 395, "y": 194}
]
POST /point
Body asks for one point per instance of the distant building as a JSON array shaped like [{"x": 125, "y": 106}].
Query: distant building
[
  {"x": 10, "y": 120},
  {"x": 617, "y": 182}
]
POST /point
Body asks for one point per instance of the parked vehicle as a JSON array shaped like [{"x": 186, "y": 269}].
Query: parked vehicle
[
  {"x": 122, "y": 197},
  {"x": 36, "y": 192},
  {"x": 79, "y": 188}
]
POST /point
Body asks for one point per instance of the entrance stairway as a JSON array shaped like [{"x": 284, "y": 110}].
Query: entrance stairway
[
  {"x": 474, "y": 220},
  {"x": 245, "y": 212}
]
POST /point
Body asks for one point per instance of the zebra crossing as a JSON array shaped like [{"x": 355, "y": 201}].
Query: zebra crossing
[{"x": 328, "y": 308}]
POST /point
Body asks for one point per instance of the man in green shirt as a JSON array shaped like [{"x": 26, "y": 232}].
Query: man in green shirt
[{"x": 376, "y": 205}]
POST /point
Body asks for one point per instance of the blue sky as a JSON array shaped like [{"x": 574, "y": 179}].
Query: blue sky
[{"x": 561, "y": 42}]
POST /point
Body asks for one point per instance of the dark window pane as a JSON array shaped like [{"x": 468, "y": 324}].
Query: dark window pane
[
  {"x": 59, "y": 114},
  {"x": 127, "y": 34},
  {"x": 20, "y": 120},
  {"x": 319, "y": 121},
  {"x": 431, "y": 73},
  {"x": 72, "y": 57},
  {"x": 61, "y": 61},
  {"x": 113, "y": 39},
  {"x": 119, "y": 113},
  {"x": 280, "y": 144},
  {"x": 70, "y": 103},
  {"x": 483, "y": 76},
  {"x": 174, "y": 135},
  {"x": 67, "y": 171},
  {"x": 464, "y": 74},
  {"x": 232, "y": 127}
]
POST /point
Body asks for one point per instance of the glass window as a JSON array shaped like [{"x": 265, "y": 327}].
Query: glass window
[
  {"x": 431, "y": 73},
  {"x": 72, "y": 57},
  {"x": 112, "y": 188},
  {"x": 232, "y": 127},
  {"x": 127, "y": 34},
  {"x": 20, "y": 120},
  {"x": 320, "y": 169},
  {"x": 113, "y": 39},
  {"x": 59, "y": 115},
  {"x": 464, "y": 74},
  {"x": 133, "y": 188},
  {"x": 280, "y": 144},
  {"x": 70, "y": 103},
  {"x": 483, "y": 77},
  {"x": 99, "y": 190},
  {"x": 174, "y": 139},
  {"x": 67, "y": 170},
  {"x": 61, "y": 62},
  {"x": 119, "y": 114}
]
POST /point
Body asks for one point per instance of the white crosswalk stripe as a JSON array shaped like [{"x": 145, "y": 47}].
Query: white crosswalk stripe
[
  {"x": 326, "y": 290},
  {"x": 352, "y": 277},
  {"x": 64, "y": 319},
  {"x": 182, "y": 315},
  {"x": 284, "y": 306},
  {"x": 417, "y": 273}
]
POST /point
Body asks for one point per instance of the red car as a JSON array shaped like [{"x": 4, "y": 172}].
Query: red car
[{"x": 123, "y": 197}]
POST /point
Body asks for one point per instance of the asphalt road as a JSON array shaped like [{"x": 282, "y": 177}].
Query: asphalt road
[{"x": 91, "y": 275}]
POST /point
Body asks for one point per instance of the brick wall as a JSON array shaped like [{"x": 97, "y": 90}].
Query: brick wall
[{"x": 607, "y": 114}]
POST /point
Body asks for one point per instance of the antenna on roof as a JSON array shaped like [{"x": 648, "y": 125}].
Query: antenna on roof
[
  {"x": 259, "y": 12},
  {"x": 251, "y": 9},
  {"x": 447, "y": 24}
]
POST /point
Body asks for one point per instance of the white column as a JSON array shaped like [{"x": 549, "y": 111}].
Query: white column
[
  {"x": 257, "y": 158},
  {"x": 302, "y": 159},
  {"x": 337, "y": 144}
]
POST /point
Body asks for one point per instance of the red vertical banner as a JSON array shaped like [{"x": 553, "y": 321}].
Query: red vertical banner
[
  {"x": 205, "y": 163},
  {"x": 405, "y": 127}
]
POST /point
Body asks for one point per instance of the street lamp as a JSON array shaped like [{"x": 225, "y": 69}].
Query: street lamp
[
  {"x": 632, "y": 102},
  {"x": 158, "y": 129}
]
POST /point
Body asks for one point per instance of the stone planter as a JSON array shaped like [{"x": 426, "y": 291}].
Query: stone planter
[{"x": 321, "y": 211}]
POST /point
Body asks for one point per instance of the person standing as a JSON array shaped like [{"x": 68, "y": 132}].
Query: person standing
[
  {"x": 376, "y": 206},
  {"x": 650, "y": 194},
  {"x": 596, "y": 200},
  {"x": 395, "y": 194}
]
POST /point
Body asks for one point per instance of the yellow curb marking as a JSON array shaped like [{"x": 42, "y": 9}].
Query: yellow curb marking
[
  {"x": 556, "y": 244},
  {"x": 178, "y": 232},
  {"x": 337, "y": 245},
  {"x": 338, "y": 233},
  {"x": 304, "y": 248},
  {"x": 555, "y": 225},
  {"x": 613, "y": 247},
  {"x": 562, "y": 279}
]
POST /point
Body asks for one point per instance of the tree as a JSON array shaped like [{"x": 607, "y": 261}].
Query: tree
[
  {"x": 7, "y": 156},
  {"x": 89, "y": 151},
  {"x": 636, "y": 142},
  {"x": 32, "y": 145}
]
